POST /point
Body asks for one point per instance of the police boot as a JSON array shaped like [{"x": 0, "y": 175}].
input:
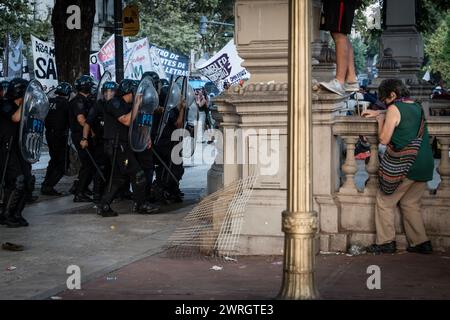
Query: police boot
[
  {"x": 18, "y": 212},
  {"x": 12, "y": 200},
  {"x": 105, "y": 211},
  {"x": 82, "y": 197},
  {"x": 146, "y": 208}
]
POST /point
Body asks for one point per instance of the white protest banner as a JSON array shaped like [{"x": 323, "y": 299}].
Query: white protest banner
[
  {"x": 137, "y": 59},
  {"x": 156, "y": 63},
  {"x": 44, "y": 63},
  {"x": 15, "y": 58},
  {"x": 107, "y": 56},
  {"x": 225, "y": 67}
]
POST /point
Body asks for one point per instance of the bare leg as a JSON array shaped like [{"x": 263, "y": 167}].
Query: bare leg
[
  {"x": 342, "y": 55},
  {"x": 351, "y": 72}
]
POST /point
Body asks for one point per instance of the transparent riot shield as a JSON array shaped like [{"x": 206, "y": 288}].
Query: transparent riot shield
[
  {"x": 105, "y": 78},
  {"x": 34, "y": 110},
  {"x": 145, "y": 102},
  {"x": 172, "y": 101}
]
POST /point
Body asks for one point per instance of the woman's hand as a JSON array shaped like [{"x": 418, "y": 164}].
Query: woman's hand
[{"x": 371, "y": 113}]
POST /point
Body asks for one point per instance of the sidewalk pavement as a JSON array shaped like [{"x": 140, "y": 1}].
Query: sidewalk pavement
[{"x": 403, "y": 276}]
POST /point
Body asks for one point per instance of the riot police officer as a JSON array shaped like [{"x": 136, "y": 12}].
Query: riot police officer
[
  {"x": 117, "y": 118},
  {"x": 94, "y": 127},
  {"x": 18, "y": 171},
  {"x": 168, "y": 173},
  {"x": 56, "y": 133},
  {"x": 78, "y": 111}
]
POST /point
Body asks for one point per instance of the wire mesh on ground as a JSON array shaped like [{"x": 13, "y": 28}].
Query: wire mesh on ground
[{"x": 213, "y": 227}]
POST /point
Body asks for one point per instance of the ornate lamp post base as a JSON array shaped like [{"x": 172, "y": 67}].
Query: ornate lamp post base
[{"x": 298, "y": 273}]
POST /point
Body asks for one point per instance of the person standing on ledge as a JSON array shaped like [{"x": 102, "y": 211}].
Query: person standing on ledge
[{"x": 337, "y": 17}]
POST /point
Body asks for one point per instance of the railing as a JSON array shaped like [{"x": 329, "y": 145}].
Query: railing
[{"x": 349, "y": 128}]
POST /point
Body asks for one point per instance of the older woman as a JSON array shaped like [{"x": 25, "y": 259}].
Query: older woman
[{"x": 400, "y": 127}]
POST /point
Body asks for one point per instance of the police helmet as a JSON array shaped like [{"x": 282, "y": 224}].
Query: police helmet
[
  {"x": 154, "y": 76},
  {"x": 109, "y": 85},
  {"x": 16, "y": 88},
  {"x": 164, "y": 82},
  {"x": 84, "y": 84},
  {"x": 64, "y": 89},
  {"x": 126, "y": 86}
]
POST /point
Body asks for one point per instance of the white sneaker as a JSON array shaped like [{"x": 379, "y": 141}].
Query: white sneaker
[
  {"x": 334, "y": 86},
  {"x": 351, "y": 87}
]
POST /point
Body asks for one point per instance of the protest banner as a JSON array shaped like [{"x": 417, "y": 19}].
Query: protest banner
[
  {"x": 95, "y": 67},
  {"x": 44, "y": 63},
  {"x": 107, "y": 56},
  {"x": 156, "y": 64},
  {"x": 15, "y": 58},
  {"x": 137, "y": 59},
  {"x": 224, "y": 68},
  {"x": 173, "y": 63}
]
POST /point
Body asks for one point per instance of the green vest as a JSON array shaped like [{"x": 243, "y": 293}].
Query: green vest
[{"x": 405, "y": 132}]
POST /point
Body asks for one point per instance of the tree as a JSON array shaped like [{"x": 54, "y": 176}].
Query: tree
[
  {"x": 360, "y": 51},
  {"x": 438, "y": 49},
  {"x": 175, "y": 24},
  {"x": 72, "y": 46},
  {"x": 17, "y": 19},
  {"x": 430, "y": 15}
]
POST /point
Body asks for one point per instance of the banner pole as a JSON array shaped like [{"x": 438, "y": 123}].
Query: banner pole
[
  {"x": 118, "y": 40},
  {"x": 6, "y": 51}
]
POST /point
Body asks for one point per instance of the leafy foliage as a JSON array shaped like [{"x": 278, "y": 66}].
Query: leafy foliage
[
  {"x": 16, "y": 17},
  {"x": 431, "y": 14},
  {"x": 438, "y": 49},
  {"x": 175, "y": 24},
  {"x": 360, "y": 51}
]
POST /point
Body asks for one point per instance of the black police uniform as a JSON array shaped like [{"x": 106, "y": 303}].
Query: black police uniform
[
  {"x": 165, "y": 180},
  {"x": 56, "y": 133},
  {"x": 95, "y": 119},
  {"x": 80, "y": 105},
  {"x": 126, "y": 164},
  {"x": 18, "y": 172}
]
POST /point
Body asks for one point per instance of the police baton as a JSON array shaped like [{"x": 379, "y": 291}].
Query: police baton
[
  {"x": 116, "y": 145},
  {"x": 95, "y": 165},
  {"x": 2, "y": 186}
]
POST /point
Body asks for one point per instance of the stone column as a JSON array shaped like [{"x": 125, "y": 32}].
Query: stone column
[
  {"x": 388, "y": 68},
  {"x": 402, "y": 37},
  {"x": 299, "y": 220}
]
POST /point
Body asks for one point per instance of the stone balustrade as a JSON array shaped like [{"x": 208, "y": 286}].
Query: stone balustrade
[{"x": 355, "y": 214}]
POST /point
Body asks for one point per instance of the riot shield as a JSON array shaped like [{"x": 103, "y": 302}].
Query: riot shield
[
  {"x": 51, "y": 94},
  {"x": 172, "y": 100},
  {"x": 145, "y": 102},
  {"x": 190, "y": 122},
  {"x": 34, "y": 110},
  {"x": 105, "y": 78}
]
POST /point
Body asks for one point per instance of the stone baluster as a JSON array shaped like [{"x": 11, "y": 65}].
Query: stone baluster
[
  {"x": 444, "y": 166},
  {"x": 349, "y": 167},
  {"x": 372, "y": 166}
]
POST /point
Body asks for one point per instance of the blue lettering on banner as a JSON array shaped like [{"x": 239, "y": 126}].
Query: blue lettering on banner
[{"x": 176, "y": 64}]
